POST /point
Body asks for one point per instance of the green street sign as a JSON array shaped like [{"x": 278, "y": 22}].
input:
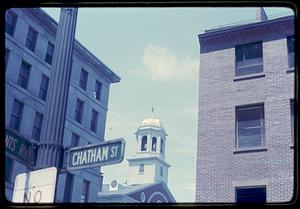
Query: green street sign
[
  {"x": 105, "y": 153},
  {"x": 20, "y": 147}
]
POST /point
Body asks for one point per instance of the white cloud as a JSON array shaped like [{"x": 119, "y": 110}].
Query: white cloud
[{"x": 162, "y": 64}]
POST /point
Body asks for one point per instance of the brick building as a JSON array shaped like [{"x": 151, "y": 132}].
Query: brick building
[{"x": 246, "y": 113}]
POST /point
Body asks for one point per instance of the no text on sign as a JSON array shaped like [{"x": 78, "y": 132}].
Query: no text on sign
[{"x": 109, "y": 152}]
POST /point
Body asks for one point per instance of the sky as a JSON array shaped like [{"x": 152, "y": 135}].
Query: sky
[{"x": 156, "y": 53}]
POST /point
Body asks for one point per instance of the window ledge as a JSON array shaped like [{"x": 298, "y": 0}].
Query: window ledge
[
  {"x": 248, "y": 150},
  {"x": 252, "y": 76},
  {"x": 290, "y": 70}
]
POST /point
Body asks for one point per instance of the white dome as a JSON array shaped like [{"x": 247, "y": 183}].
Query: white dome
[{"x": 152, "y": 122}]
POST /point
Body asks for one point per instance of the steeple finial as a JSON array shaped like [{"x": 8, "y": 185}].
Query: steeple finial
[{"x": 152, "y": 110}]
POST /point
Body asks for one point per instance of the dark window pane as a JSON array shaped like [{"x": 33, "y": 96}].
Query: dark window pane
[
  {"x": 144, "y": 143},
  {"x": 68, "y": 187},
  {"x": 24, "y": 74},
  {"x": 94, "y": 121},
  {"x": 75, "y": 140},
  {"x": 44, "y": 87},
  {"x": 31, "y": 39},
  {"x": 85, "y": 191},
  {"x": 98, "y": 89},
  {"x": 79, "y": 110},
  {"x": 10, "y": 22},
  {"x": 16, "y": 115},
  {"x": 9, "y": 163},
  {"x": 161, "y": 145},
  {"x": 37, "y": 126},
  {"x": 154, "y": 141},
  {"x": 83, "y": 79},
  {"x": 49, "y": 53},
  {"x": 291, "y": 51},
  {"x": 141, "y": 169},
  {"x": 6, "y": 56},
  {"x": 247, "y": 195}
]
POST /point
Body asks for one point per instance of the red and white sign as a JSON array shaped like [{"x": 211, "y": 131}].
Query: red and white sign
[{"x": 36, "y": 186}]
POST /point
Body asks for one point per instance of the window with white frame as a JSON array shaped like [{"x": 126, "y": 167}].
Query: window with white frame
[
  {"x": 248, "y": 59},
  {"x": 250, "y": 126},
  {"x": 291, "y": 51}
]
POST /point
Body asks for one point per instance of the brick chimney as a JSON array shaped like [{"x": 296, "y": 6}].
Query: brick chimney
[{"x": 261, "y": 14}]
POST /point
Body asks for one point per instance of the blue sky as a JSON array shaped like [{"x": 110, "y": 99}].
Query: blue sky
[{"x": 155, "y": 51}]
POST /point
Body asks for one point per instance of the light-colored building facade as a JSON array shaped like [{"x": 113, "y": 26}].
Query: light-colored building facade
[
  {"x": 246, "y": 113},
  {"x": 29, "y": 45},
  {"x": 148, "y": 169}
]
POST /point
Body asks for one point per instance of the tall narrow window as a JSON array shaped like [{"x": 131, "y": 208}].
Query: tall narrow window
[
  {"x": 10, "y": 22},
  {"x": 24, "y": 74},
  {"x": 248, "y": 59},
  {"x": 9, "y": 163},
  {"x": 144, "y": 143},
  {"x": 16, "y": 115},
  {"x": 85, "y": 191},
  {"x": 75, "y": 140},
  {"x": 49, "y": 53},
  {"x": 98, "y": 89},
  {"x": 94, "y": 121},
  {"x": 78, "y": 111},
  {"x": 37, "y": 126},
  {"x": 291, "y": 51},
  {"x": 31, "y": 39},
  {"x": 250, "y": 126},
  {"x": 161, "y": 145},
  {"x": 141, "y": 168},
  {"x": 44, "y": 87},
  {"x": 154, "y": 142},
  {"x": 161, "y": 171},
  {"x": 292, "y": 117},
  {"x": 83, "y": 79},
  {"x": 68, "y": 187},
  {"x": 251, "y": 194}
]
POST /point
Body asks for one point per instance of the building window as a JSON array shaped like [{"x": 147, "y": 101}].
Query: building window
[
  {"x": 79, "y": 111},
  {"x": 154, "y": 142},
  {"x": 161, "y": 145},
  {"x": 83, "y": 79},
  {"x": 249, "y": 59},
  {"x": 75, "y": 140},
  {"x": 144, "y": 143},
  {"x": 6, "y": 56},
  {"x": 44, "y": 87},
  {"x": 37, "y": 126},
  {"x": 9, "y": 164},
  {"x": 292, "y": 117},
  {"x": 250, "y": 194},
  {"x": 16, "y": 115},
  {"x": 68, "y": 187},
  {"x": 161, "y": 171},
  {"x": 31, "y": 39},
  {"x": 250, "y": 126},
  {"x": 24, "y": 74},
  {"x": 141, "y": 168},
  {"x": 98, "y": 89},
  {"x": 94, "y": 121},
  {"x": 49, "y": 53},
  {"x": 85, "y": 191},
  {"x": 10, "y": 22},
  {"x": 291, "y": 51}
]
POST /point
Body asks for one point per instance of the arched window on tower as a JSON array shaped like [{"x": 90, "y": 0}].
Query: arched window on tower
[
  {"x": 144, "y": 143},
  {"x": 161, "y": 145},
  {"x": 154, "y": 142}
]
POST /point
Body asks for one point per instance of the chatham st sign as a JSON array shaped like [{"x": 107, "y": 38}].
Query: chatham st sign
[{"x": 109, "y": 152}]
